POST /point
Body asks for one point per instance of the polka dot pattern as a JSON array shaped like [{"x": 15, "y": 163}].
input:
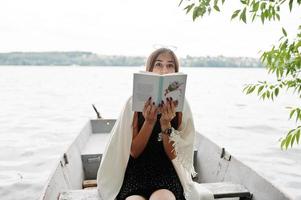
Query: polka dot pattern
[{"x": 151, "y": 171}]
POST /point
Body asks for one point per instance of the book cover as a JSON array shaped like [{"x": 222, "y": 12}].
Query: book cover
[{"x": 159, "y": 87}]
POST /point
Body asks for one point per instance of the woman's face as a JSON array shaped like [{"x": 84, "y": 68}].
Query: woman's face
[{"x": 164, "y": 64}]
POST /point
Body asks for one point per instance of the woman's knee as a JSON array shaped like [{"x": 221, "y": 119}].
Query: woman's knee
[
  {"x": 135, "y": 197},
  {"x": 162, "y": 194}
]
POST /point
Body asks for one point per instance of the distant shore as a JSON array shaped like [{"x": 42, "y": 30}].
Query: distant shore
[{"x": 80, "y": 58}]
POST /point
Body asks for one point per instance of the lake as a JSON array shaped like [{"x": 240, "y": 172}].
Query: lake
[{"x": 42, "y": 109}]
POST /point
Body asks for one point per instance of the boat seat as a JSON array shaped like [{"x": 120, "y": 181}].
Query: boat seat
[
  {"x": 91, "y": 154},
  {"x": 220, "y": 190},
  {"x": 228, "y": 190},
  {"x": 80, "y": 195}
]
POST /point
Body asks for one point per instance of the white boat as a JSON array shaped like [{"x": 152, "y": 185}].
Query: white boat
[{"x": 217, "y": 170}]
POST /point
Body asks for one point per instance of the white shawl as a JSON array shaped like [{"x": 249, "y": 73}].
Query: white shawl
[{"x": 116, "y": 155}]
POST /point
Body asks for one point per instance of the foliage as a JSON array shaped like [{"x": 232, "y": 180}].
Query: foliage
[{"x": 283, "y": 60}]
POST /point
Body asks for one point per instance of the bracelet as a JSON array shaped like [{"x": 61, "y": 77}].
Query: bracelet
[{"x": 168, "y": 131}]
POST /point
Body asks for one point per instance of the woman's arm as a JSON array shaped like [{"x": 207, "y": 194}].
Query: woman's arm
[
  {"x": 140, "y": 139},
  {"x": 168, "y": 145}
]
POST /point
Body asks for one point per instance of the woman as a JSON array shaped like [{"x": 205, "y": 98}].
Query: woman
[{"x": 150, "y": 153}]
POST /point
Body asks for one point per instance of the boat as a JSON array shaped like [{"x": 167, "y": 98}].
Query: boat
[{"x": 74, "y": 176}]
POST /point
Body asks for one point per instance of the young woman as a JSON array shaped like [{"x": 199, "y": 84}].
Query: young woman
[
  {"x": 150, "y": 173},
  {"x": 150, "y": 153}
]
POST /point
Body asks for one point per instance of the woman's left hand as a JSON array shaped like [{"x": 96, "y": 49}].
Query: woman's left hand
[{"x": 168, "y": 112}]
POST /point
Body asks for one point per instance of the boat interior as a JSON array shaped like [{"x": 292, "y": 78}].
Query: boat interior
[{"x": 74, "y": 178}]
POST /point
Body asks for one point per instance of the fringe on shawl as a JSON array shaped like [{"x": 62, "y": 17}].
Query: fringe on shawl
[{"x": 183, "y": 157}]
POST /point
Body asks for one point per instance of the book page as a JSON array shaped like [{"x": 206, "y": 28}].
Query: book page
[
  {"x": 174, "y": 86},
  {"x": 144, "y": 86}
]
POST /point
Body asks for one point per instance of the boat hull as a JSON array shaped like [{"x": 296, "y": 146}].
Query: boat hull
[{"x": 212, "y": 163}]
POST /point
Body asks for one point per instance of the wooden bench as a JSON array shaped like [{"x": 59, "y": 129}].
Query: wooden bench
[
  {"x": 228, "y": 190},
  {"x": 219, "y": 190}
]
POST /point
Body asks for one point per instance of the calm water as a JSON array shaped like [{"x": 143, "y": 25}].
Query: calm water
[{"x": 42, "y": 109}]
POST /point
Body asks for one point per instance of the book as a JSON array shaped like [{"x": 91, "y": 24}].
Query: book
[{"x": 159, "y": 87}]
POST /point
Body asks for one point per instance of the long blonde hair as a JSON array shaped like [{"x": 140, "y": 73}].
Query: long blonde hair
[{"x": 152, "y": 58}]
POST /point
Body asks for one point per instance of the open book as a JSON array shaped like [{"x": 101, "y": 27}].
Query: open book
[{"x": 159, "y": 87}]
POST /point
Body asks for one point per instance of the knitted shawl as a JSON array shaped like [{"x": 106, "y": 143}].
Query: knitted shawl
[{"x": 117, "y": 151}]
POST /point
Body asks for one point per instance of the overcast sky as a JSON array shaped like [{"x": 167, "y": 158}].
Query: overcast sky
[{"x": 132, "y": 27}]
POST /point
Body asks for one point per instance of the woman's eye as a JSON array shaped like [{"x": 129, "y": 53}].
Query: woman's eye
[
  {"x": 170, "y": 66},
  {"x": 158, "y": 64}
]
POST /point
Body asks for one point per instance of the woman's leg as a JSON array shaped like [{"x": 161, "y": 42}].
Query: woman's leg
[
  {"x": 162, "y": 194},
  {"x": 135, "y": 197}
]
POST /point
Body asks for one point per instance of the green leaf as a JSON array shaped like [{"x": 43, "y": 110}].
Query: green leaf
[
  {"x": 256, "y": 6},
  {"x": 293, "y": 140},
  {"x": 189, "y": 7},
  {"x": 243, "y": 15},
  {"x": 288, "y": 140},
  {"x": 251, "y": 89},
  {"x": 244, "y": 88},
  {"x": 292, "y": 112},
  {"x": 284, "y": 32},
  {"x": 278, "y": 73},
  {"x": 282, "y": 143},
  {"x": 195, "y": 13},
  {"x": 263, "y": 96},
  {"x": 235, "y": 13},
  {"x": 209, "y": 10},
  {"x": 298, "y": 114},
  {"x": 259, "y": 89},
  {"x": 216, "y": 8},
  {"x": 243, "y": 2},
  {"x": 180, "y": 2},
  {"x": 253, "y": 18},
  {"x": 262, "y": 18},
  {"x": 262, "y": 6},
  {"x": 266, "y": 13},
  {"x": 298, "y": 136},
  {"x": 291, "y": 4},
  {"x": 276, "y": 92}
]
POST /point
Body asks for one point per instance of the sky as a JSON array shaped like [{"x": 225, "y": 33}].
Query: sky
[{"x": 134, "y": 28}]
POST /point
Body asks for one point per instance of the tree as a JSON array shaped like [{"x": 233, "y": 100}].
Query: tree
[{"x": 283, "y": 60}]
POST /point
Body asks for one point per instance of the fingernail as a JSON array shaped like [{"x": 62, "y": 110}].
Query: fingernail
[
  {"x": 167, "y": 99},
  {"x": 171, "y": 98},
  {"x": 162, "y": 102},
  {"x": 153, "y": 103},
  {"x": 149, "y": 98}
]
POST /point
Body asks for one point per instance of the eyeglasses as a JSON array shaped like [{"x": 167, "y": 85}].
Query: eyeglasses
[{"x": 171, "y": 47}]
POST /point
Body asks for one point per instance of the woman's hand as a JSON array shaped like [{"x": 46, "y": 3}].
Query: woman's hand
[
  {"x": 150, "y": 112},
  {"x": 168, "y": 111}
]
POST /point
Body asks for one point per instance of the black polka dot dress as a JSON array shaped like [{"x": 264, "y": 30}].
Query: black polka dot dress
[{"x": 152, "y": 170}]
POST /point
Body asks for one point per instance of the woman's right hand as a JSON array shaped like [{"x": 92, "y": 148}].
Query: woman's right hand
[{"x": 150, "y": 111}]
